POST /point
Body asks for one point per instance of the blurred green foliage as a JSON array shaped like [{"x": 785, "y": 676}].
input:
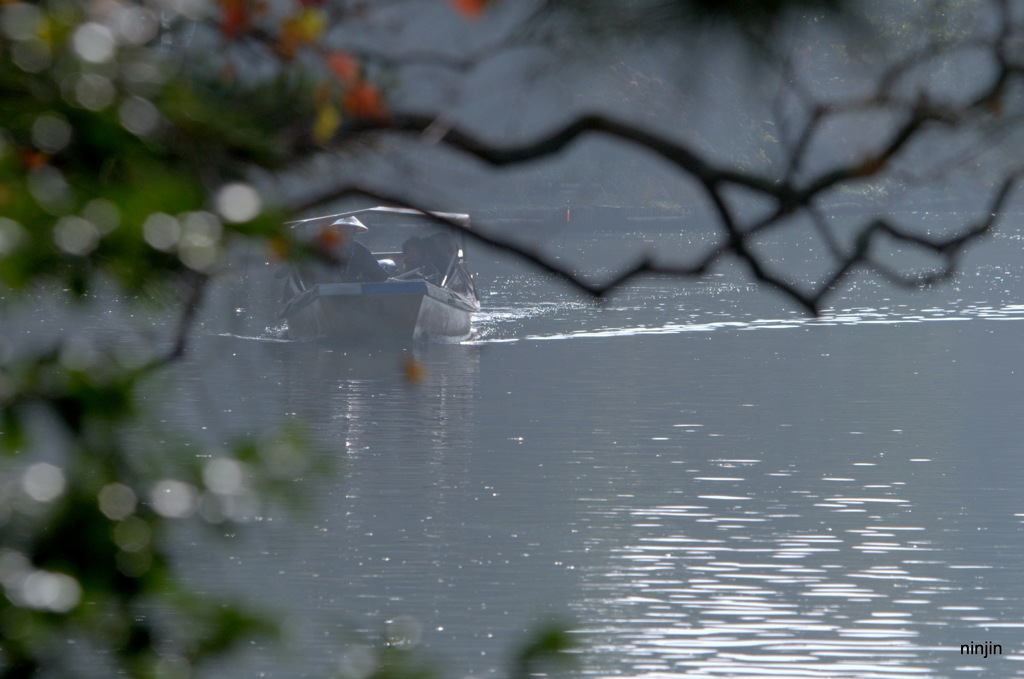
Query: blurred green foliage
[
  {"x": 85, "y": 553},
  {"x": 120, "y": 167}
]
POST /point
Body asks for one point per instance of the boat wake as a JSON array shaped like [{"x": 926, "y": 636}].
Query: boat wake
[
  {"x": 496, "y": 325},
  {"x": 271, "y": 335}
]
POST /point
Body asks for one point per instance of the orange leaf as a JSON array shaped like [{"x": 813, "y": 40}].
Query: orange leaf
[
  {"x": 344, "y": 66},
  {"x": 32, "y": 159},
  {"x": 279, "y": 247},
  {"x": 414, "y": 371},
  {"x": 474, "y": 9},
  {"x": 234, "y": 17},
  {"x": 327, "y": 238},
  {"x": 364, "y": 100}
]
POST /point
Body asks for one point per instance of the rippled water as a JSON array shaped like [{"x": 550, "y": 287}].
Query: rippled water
[{"x": 838, "y": 497}]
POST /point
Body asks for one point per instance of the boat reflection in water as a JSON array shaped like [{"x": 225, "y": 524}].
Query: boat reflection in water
[
  {"x": 410, "y": 282},
  {"x": 428, "y": 393}
]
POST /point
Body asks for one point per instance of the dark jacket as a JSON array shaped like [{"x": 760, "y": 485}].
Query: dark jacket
[
  {"x": 358, "y": 265},
  {"x": 355, "y": 265}
]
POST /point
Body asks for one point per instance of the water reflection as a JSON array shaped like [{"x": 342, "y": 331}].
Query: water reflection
[
  {"x": 761, "y": 573},
  {"x": 422, "y": 394}
]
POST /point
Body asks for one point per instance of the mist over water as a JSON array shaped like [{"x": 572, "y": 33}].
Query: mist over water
[{"x": 697, "y": 478}]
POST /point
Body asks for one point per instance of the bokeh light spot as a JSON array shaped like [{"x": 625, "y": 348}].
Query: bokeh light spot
[
  {"x": 117, "y": 501},
  {"x": 51, "y": 133},
  {"x": 133, "y": 534},
  {"x": 94, "y": 43},
  {"x": 103, "y": 214},
  {"x": 11, "y": 235},
  {"x": 48, "y": 591},
  {"x": 238, "y": 202},
  {"x": 162, "y": 231},
  {"x": 20, "y": 20},
  {"x": 43, "y": 482},
  {"x": 136, "y": 25},
  {"x": 94, "y": 92},
  {"x": 224, "y": 476},
  {"x": 139, "y": 116},
  {"x": 174, "y": 499},
  {"x": 76, "y": 236}
]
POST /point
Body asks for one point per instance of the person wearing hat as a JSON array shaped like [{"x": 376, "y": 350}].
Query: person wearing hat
[{"x": 353, "y": 262}]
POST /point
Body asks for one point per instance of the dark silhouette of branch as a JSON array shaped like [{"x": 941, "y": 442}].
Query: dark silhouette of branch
[
  {"x": 533, "y": 256},
  {"x": 677, "y": 153},
  {"x": 788, "y": 200},
  {"x": 792, "y": 192}
]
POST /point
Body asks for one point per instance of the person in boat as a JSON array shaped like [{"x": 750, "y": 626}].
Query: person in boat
[
  {"x": 438, "y": 250},
  {"x": 414, "y": 257},
  {"x": 352, "y": 262},
  {"x": 412, "y": 254}
]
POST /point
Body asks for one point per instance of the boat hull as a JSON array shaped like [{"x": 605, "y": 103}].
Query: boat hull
[{"x": 398, "y": 310}]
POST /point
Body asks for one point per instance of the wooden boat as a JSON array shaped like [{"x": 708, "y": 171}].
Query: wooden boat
[{"x": 432, "y": 302}]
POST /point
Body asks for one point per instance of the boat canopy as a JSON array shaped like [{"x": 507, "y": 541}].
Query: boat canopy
[{"x": 455, "y": 217}]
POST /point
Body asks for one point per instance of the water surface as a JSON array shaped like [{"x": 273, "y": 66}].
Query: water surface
[{"x": 701, "y": 480}]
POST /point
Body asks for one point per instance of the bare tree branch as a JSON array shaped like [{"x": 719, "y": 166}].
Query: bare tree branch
[
  {"x": 789, "y": 193},
  {"x": 712, "y": 178},
  {"x": 533, "y": 256}
]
